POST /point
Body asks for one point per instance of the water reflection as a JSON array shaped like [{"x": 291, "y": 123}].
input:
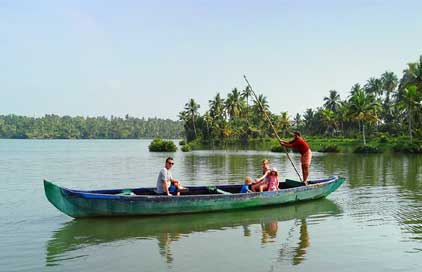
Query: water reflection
[
  {"x": 385, "y": 188},
  {"x": 79, "y": 234}
]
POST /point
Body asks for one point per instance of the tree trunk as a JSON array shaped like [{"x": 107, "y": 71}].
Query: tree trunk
[
  {"x": 194, "y": 128},
  {"x": 363, "y": 133},
  {"x": 409, "y": 120}
]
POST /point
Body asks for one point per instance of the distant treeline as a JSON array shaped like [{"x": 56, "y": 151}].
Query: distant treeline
[{"x": 65, "y": 127}]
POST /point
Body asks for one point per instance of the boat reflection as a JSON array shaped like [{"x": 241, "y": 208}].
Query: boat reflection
[{"x": 79, "y": 234}]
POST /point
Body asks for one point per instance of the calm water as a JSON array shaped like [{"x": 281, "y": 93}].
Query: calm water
[{"x": 373, "y": 222}]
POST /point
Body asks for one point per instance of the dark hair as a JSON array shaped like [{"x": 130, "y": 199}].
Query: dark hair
[
  {"x": 297, "y": 133},
  {"x": 169, "y": 159}
]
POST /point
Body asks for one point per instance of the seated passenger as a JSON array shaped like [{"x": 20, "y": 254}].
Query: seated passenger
[
  {"x": 166, "y": 184},
  {"x": 263, "y": 179},
  {"x": 245, "y": 186},
  {"x": 272, "y": 184}
]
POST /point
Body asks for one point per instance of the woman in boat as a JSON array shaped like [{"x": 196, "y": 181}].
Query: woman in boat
[
  {"x": 263, "y": 179},
  {"x": 272, "y": 181},
  {"x": 166, "y": 184}
]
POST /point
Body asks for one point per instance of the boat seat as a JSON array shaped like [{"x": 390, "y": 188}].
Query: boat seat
[
  {"x": 126, "y": 192},
  {"x": 219, "y": 191}
]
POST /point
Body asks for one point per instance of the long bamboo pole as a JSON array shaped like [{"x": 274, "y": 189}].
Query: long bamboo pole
[{"x": 272, "y": 126}]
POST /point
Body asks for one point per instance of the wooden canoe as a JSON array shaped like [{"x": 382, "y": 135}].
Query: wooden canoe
[{"x": 143, "y": 201}]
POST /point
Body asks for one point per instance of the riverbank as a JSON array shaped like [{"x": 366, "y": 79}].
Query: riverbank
[{"x": 319, "y": 144}]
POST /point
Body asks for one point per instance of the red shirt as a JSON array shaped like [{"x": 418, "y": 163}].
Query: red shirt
[{"x": 300, "y": 145}]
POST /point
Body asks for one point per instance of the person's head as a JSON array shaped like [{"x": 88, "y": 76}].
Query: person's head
[
  {"x": 248, "y": 180},
  {"x": 296, "y": 134},
  {"x": 169, "y": 162},
  {"x": 274, "y": 171},
  {"x": 265, "y": 164}
]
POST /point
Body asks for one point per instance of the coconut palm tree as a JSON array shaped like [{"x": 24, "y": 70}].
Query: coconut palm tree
[
  {"x": 355, "y": 88},
  {"x": 329, "y": 120},
  {"x": 297, "y": 121},
  {"x": 246, "y": 93},
  {"x": 234, "y": 104},
  {"x": 364, "y": 109},
  {"x": 216, "y": 107},
  {"x": 389, "y": 84},
  {"x": 332, "y": 101},
  {"x": 410, "y": 100},
  {"x": 283, "y": 122},
  {"x": 191, "y": 109},
  {"x": 374, "y": 86}
]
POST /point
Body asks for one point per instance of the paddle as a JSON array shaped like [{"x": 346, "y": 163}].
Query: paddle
[{"x": 272, "y": 126}]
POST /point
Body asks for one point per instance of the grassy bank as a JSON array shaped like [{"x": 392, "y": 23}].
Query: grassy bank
[{"x": 319, "y": 144}]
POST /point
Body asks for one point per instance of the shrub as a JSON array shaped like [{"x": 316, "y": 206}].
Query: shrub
[
  {"x": 368, "y": 149},
  {"x": 383, "y": 139},
  {"x": 186, "y": 148},
  {"x": 329, "y": 149},
  {"x": 407, "y": 147},
  {"x": 159, "y": 145},
  {"x": 182, "y": 142},
  {"x": 277, "y": 148}
]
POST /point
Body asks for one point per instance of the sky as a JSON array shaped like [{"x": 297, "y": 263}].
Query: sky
[{"x": 148, "y": 58}]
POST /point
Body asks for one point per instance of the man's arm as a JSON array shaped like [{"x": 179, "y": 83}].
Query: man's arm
[
  {"x": 166, "y": 188},
  {"x": 286, "y": 144}
]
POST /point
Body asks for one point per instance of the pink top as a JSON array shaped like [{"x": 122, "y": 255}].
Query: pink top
[{"x": 272, "y": 183}]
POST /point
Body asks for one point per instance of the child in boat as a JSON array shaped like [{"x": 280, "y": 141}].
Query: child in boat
[
  {"x": 272, "y": 184},
  {"x": 245, "y": 186}
]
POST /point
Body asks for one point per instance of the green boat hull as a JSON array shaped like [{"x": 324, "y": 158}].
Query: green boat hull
[{"x": 79, "y": 204}]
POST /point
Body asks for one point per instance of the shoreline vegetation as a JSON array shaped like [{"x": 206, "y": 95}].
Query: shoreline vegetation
[
  {"x": 384, "y": 113},
  {"x": 52, "y": 126}
]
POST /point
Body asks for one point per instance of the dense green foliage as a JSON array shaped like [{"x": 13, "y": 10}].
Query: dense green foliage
[
  {"x": 408, "y": 147},
  {"x": 368, "y": 149},
  {"x": 383, "y": 106},
  {"x": 66, "y": 127},
  {"x": 329, "y": 149},
  {"x": 159, "y": 145},
  {"x": 186, "y": 148},
  {"x": 278, "y": 148}
]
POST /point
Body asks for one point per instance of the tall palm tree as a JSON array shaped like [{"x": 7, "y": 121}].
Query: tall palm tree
[
  {"x": 364, "y": 109},
  {"x": 409, "y": 101},
  {"x": 332, "y": 101},
  {"x": 389, "y": 84},
  {"x": 298, "y": 121},
  {"x": 234, "y": 104},
  {"x": 374, "y": 87},
  {"x": 355, "y": 88},
  {"x": 410, "y": 91},
  {"x": 191, "y": 109},
  {"x": 308, "y": 119},
  {"x": 217, "y": 107},
  {"x": 329, "y": 120},
  {"x": 284, "y": 122},
  {"x": 246, "y": 93},
  {"x": 261, "y": 105}
]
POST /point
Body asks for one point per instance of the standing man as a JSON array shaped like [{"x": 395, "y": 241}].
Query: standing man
[
  {"x": 306, "y": 155},
  {"x": 166, "y": 184}
]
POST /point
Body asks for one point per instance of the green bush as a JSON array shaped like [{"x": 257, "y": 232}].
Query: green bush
[
  {"x": 159, "y": 145},
  {"x": 186, "y": 148},
  {"x": 329, "y": 148},
  {"x": 407, "y": 147},
  {"x": 368, "y": 149},
  {"x": 182, "y": 142},
  {"x": 277, "y": 148},
  {"x": 383, "y": 139}
]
